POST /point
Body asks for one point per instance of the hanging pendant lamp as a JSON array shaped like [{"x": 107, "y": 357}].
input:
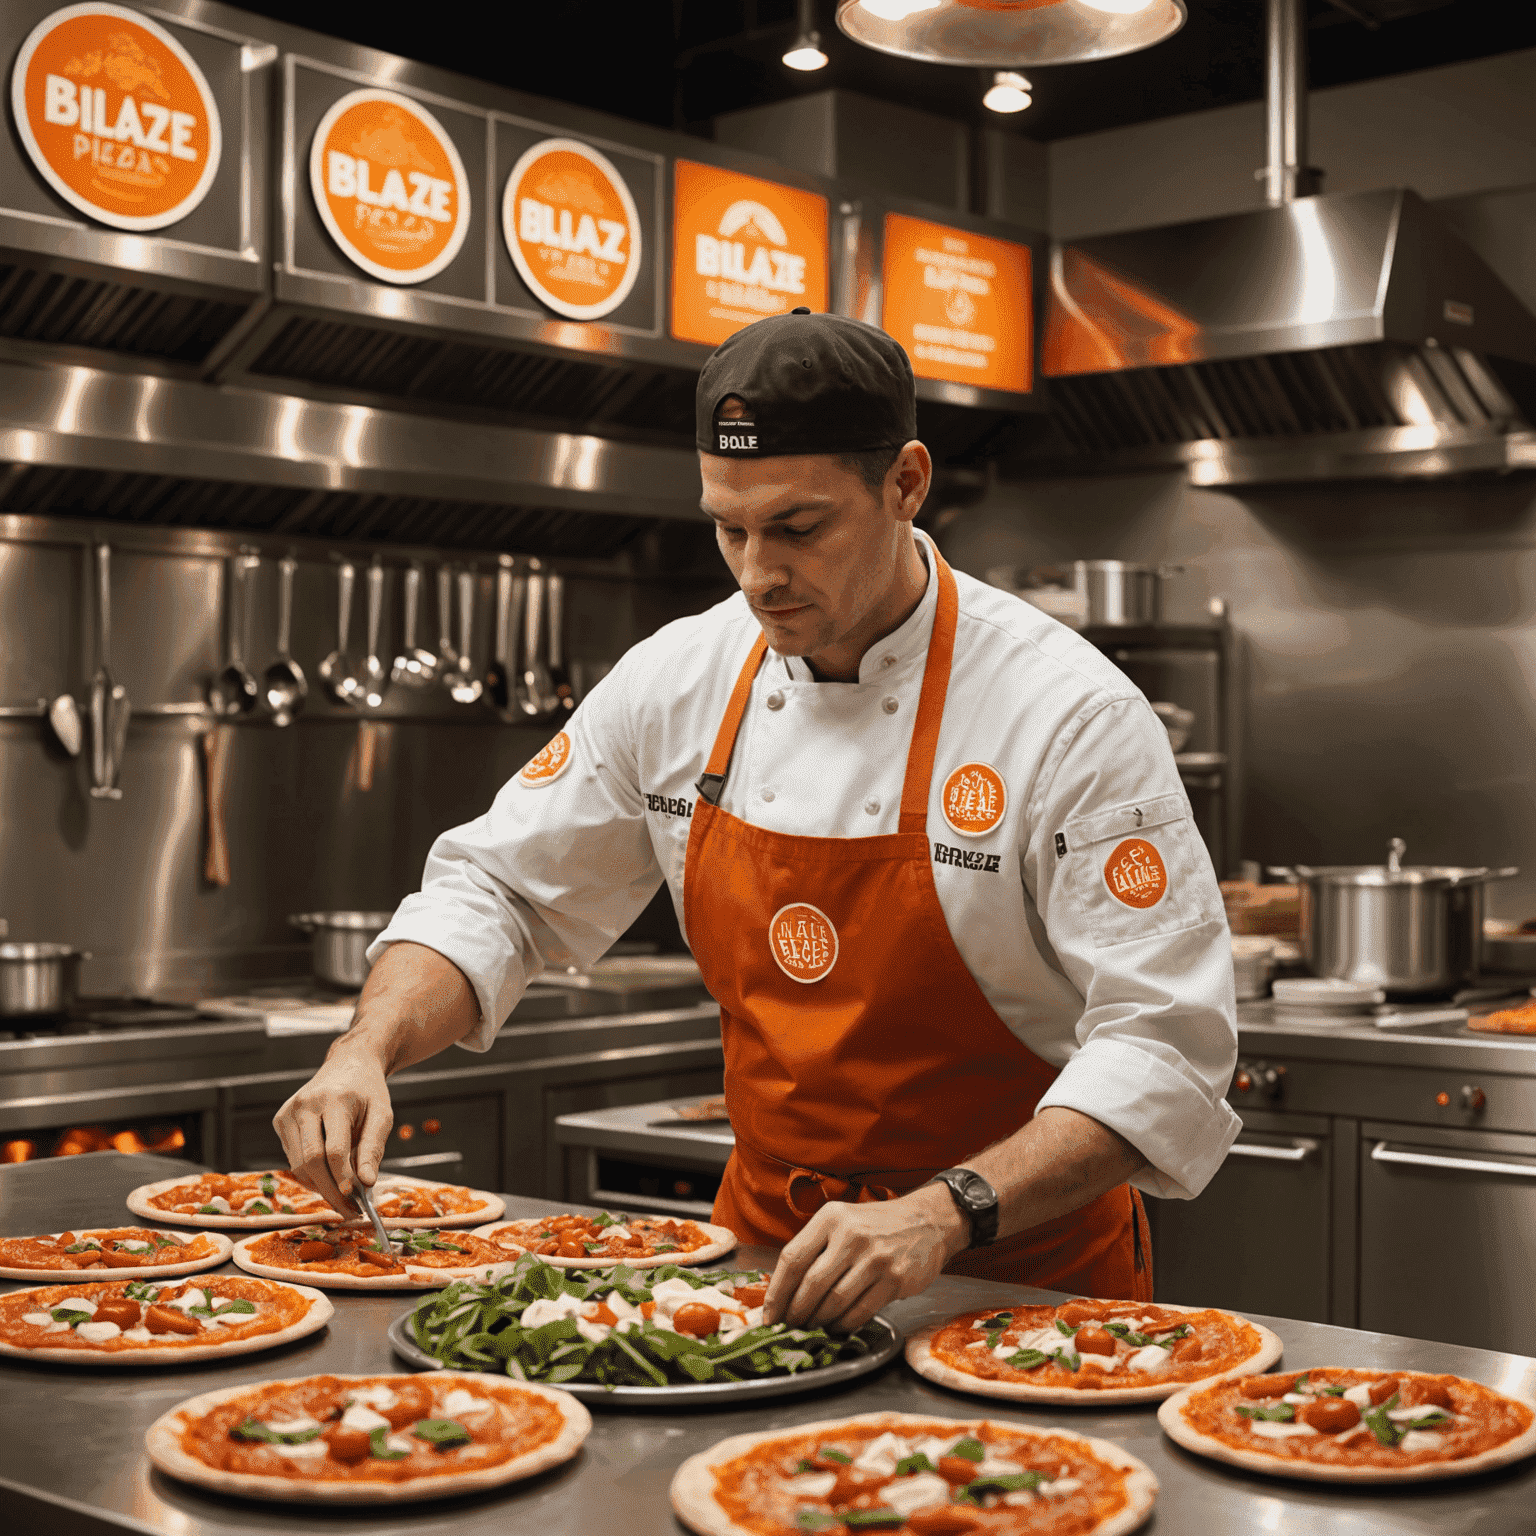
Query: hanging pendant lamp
[{"x": 996, "y": 34}]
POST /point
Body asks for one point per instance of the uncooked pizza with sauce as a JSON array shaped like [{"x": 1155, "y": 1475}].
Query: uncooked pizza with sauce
[
  {"x": 142, "y": 1322},
  {"x": 367, "y": 1439},
  {"x": 1113, "y": 1351},
  {"x": 571, "y": 1241},
  {"x": 348, "y": 1257},
  {"x": 148, "y": 1253},
  {"x": 1332, "y": 1424},
  {"x": 900, "y": 1472}
]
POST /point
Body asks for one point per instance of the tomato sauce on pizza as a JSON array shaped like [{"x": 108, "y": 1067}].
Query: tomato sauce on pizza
[
  {"x": 371, "y": 1429},
  {"x": 1092, "y": 1345},
  {"x": 268, "y": 1193},
  {"x": 103, "y": 1248},
  {"x": 603, "y": 1238},
  {"x": 115, "y": 1316},
  {"x": 352, "y": 1250},
  {"x": 402, "y": 1201},
  {"x": 1356, "y": 1418}
]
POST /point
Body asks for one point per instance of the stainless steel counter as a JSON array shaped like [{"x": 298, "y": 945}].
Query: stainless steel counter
[{"x": 71, "y": 1457}]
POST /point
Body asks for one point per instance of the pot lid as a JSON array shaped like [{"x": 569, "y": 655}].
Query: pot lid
[
  {"x": 23, "y": 952},
  {"x": 1394, "y": 872},
  {"x": 350, "y": 921}
]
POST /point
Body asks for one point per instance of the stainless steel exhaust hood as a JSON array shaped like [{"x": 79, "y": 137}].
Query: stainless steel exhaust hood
[{"x": 1333, "y": 336}]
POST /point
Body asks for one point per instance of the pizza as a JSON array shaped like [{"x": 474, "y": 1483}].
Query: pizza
[
  {"x": 348, "y": 1257},
  {"x": 273, "y": 1197},
  {"x": 367, "y": 1439},
  {"x": 591, "y": 1242},
  {"x": 139, "y": 1322},
  {"x": 1362, "y": 1426},
  {"x": 97, "y": 1250},
  {"x": 1109, "y": 1351},
  {"x": 902, "y": 1472}
]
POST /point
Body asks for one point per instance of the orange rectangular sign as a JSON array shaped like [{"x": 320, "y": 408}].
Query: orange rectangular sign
[
  {"x": 961, "y": 304},
  {"x": 742, "y": 249}
]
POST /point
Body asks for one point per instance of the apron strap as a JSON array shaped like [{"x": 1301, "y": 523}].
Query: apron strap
[
  {"x": 712, "y": 780},
  {"x": 930, "y": 703}
]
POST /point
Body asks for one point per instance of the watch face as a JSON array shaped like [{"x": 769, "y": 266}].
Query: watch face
[{"x": 977, "y": 1193}]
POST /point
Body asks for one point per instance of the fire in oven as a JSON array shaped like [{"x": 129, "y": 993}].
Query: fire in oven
[{"x": 166, "y": 1135}]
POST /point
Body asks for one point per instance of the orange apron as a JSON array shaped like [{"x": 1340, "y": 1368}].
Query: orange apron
[{"x": 861, "y": 1057}]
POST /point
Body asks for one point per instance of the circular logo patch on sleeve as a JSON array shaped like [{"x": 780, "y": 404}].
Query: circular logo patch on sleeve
[
  {"x": 975, "y": 798},
  {"x": 547, "y": 766},
  {"x": 1136, "y": 874},
  {"x": 803, "y": 941}
]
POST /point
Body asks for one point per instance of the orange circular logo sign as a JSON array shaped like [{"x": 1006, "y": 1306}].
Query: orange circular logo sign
[
  {"x": 390, "y": 186},
  {"x": 547, "y": 766},
  {"x": 803, "y": 941},
  {"x": 116, "y": 116},
  {"x": 571, "y": 228},
  {"x": 1136, "y": 874},
  {"x": 975, "y": 798}
]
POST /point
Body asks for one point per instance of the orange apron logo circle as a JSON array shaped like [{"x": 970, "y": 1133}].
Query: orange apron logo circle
[
  {"x": 572, "y": 228},
  {"x": 975, "y": 798},
  {"x": 803, "y": 941},
  {"x": 1136, "y": 874},
  {"x": 547, "y": 766},
  {"x": 390, "y": 186},
  {"x": 116, "y": 116}
]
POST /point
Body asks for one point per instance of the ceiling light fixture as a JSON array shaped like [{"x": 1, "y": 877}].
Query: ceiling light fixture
[
  {"x": 1009, "y": 92},
  {"x": 805, "y": 52},
  {"x": 1009, "y": 34}
]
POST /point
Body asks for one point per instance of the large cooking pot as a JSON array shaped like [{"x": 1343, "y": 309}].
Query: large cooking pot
[
  {"x": 340, "y": 943},
  {"x": 1120, "y": 592},
  {"x": 38, "y": 978},
  {"x": 1405, "y": 929}
]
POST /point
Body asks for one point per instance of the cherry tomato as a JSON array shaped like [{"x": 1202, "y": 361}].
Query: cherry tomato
[
  {"x": 170, "y": 1320},
  {"x": 604, "y": 1314},
  {"x": 1417, "y": 1393},
  {"x": 1075, "y": 1313},
  {"x": 413, "y": 1403},
  {"x": 122, "y": 1310},
  {"x": 571, "y": 1248},
  {"x": 1187, "y": 1349},
  {"x": 956, "y": 1470},
  {"x": 315, "y": 1251},
  {"x": 695, "y": 1318},
  {"x": 750, "y": 1295},
  {"x": 349, "y": 1445},
  {"x": 1330, "y": 1415},
  {"x": 1383, "y": 1389},
  {"x": 943, "y": 1520},
  {"x": 1268, "y": 1386},
  {"x": 1090, "y": 1340}
]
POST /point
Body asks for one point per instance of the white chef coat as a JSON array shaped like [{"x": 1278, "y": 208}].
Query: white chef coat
[{"x": 1134, "y": 1004}]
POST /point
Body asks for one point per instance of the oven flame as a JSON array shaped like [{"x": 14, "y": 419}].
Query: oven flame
[
  {"x": 18, "y": 1151},
  {"x": 97, "y": 1138}
]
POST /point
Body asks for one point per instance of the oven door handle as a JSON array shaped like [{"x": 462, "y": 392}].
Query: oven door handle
[
  {"x": 420, "y": 1160},
  {"x": 1300, "y": 1149},
  {"x": 1382, "y": 1153}
]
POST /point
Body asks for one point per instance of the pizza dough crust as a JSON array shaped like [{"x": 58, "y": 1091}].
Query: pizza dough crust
[
  {"x": 221, "y": 1247},
  {"x": 1170, "y": 1416},
  {"x": 318, "y": 1315},
  {"x": 162, "y": 1441},
  {"x": 921, "y": 1358},
  {"x": 693, "y": 1486},
  {"x": 418, "y": 1278},
  {"x": 490, "y": 1207},
  {"x": 721, "y": 1241}
]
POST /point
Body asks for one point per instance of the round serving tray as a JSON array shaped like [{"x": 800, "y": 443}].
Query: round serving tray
[{"x": 703, "y": 1392}]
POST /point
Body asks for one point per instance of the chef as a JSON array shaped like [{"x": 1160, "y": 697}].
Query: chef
[{"x": 927, "y": 845}]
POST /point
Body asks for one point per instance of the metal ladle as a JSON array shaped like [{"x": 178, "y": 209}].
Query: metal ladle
[
  {"x": 414, "y": 667},
  {"x": 536, "y": 695},
  {"x": 460, "y": 677},
  {"x": 110, "y": 709},
  {"x": 235, "y": 692},
  {"x": 499, "y": 683},
  {"x": 375, "y": 676},
  {"x": 338, "y": 672},
  {"x": 447, "y": 657},
  {"x": 284, "y": 683}
]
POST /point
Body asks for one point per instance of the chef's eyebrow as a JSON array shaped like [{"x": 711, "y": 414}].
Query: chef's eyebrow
[{"x": 820, "y": 504}]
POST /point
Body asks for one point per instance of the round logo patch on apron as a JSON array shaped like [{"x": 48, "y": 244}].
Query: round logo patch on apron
[
  {"x": 975, "y": 798},
  {"x": 547, "y": 766},
  {"x": 803, "y": 941},
  {"x": 1135, "y": 873}
]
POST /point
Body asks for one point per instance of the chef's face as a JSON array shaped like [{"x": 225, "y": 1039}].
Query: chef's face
[{"x": 816, "y": 551}]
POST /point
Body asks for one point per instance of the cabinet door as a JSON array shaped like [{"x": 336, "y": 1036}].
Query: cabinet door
[
  {"x": 1448, "y": 1236},
  {"x": 1256, "y": 1238}
]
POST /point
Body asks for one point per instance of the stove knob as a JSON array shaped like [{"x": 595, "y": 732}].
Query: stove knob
[
  {"x": 1273, "y": 1081},
  {"x": 1473, "y": 1100},
  {"x": 1243, "y": 1082}
]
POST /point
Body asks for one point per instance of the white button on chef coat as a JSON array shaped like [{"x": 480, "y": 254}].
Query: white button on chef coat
[{"x": 1134, "y": 1003}]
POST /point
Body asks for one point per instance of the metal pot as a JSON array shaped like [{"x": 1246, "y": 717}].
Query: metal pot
[
  {"x": 1119, "y": 592},
  {"x": 38, "y": 978},
  {"x": 1406, "y": 930},
  {"x": 340, "y": 943}
]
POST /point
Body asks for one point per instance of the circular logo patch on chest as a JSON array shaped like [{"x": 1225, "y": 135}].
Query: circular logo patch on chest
[
  {"x": 1135, "y": 873},
  {"x": 547, "y": 766},
  {"x": 803, "y": 941},
  {"x": 975, "y": 798}
]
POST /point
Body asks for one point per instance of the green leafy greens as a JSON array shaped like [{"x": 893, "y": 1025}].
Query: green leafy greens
[{"x": 250, "y": 1429}]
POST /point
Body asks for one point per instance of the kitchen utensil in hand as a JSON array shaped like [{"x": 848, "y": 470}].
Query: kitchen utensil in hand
[
  {"x": 364, "y": 1198},
  {"x": 338, "y": 672},
  {"x": 284, "y": 684},
  {"x": 110, "y": 709},
  {"x": 414, "y": 667},
  {"x": 536, "y": 695},
  {"x": 374, "y": 677},
  {"x": 465, "y": 687},
  {"x": 559, "y": 678},
  {"x": 499, "y": 683},
  {"x": 234, "y": 692}
]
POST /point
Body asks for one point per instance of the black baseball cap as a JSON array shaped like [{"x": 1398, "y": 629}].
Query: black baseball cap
[{"x": 810, "y": 384}]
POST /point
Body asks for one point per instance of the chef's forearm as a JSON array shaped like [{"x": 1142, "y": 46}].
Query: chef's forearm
[{"x": 414, "y": 1004}]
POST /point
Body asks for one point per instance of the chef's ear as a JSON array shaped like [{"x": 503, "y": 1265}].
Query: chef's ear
[{"x": 907, "y": 481}]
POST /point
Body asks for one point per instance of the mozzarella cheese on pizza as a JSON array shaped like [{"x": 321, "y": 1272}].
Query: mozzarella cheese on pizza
[
  {"x": 270, "y": 1193},
  {"x": 107, "y": 1248},
  {"x": 907, "y": 1473},
  {"x": 354, "y": 1250},
  {"x": 605, "y": 1238}
]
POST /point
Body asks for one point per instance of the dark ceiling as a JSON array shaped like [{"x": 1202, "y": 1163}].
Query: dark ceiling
[{"x": 680, "y": 63}]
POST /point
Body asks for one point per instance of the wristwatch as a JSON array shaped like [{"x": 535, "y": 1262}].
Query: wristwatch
[{"x": 975, "y": 1199}]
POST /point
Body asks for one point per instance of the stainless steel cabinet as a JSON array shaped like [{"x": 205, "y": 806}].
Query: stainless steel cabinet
[{"x": 1448, "y": 1235}]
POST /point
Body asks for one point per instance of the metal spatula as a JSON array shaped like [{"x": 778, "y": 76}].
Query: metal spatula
[{"x": 364, "y": 1198}]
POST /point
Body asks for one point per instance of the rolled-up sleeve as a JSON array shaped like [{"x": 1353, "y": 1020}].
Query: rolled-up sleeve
[
  {"x": 1131, "y": 907},
  {"x": 549, "y": 877}
]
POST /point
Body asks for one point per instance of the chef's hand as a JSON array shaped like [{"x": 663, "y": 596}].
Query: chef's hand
[
  {"x": 850, "y": 1260},
  {"x": 334, "y": 1128}
]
